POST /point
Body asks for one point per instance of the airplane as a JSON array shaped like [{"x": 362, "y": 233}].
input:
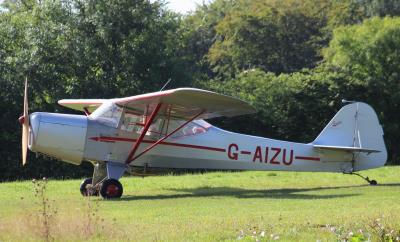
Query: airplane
[{"x": 166, "y": 129}]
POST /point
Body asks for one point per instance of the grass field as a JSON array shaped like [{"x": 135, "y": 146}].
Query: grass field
[{"x": 283, "y": 206}]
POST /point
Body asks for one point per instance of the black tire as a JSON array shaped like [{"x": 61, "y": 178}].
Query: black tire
[
  {"x": 111, "y": 188},
  {"x": 84, "y": 190},
  {"x": 373, "y": 182}
]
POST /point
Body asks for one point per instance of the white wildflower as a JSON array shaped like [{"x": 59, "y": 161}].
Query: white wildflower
[{"x": 241, "y": 235}]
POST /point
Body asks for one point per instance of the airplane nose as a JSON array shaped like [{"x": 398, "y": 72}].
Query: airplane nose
[
  {"x": 34, "y": 120},
  {"x": 62, "y": 136}
]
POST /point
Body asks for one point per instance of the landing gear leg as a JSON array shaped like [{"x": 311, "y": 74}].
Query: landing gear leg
[
  {"x": 104, "y": 181},
  {"x": 91, "y": 186},
  {"x": 87, "y": 189},
  {"x": 371, "y": 182}
]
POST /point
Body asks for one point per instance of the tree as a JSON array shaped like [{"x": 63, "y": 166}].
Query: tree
[
  {"x": 198, "y": 35},
  {"x": 380, "y": 8},
  {"x": 79, "y": 49},
  {"x": 293, "y": 107},
  {"x": 126, "y": 47},
  {"x": 261, "y": 35},
  {"x": 370, "y": 54}
]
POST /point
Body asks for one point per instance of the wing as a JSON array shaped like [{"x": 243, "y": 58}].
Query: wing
[
  {"x": 81, "y": 104},
  {"x": 184, "y": 103}
]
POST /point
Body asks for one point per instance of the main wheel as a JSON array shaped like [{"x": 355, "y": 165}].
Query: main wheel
[
  {"x": 84, "y": 188},
  {"x": 111, "y": 188}
]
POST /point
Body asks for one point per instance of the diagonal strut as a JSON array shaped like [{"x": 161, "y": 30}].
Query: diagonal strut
[
  {"x": 144, "y": 131},
  {"x": 162, "y": 139}
]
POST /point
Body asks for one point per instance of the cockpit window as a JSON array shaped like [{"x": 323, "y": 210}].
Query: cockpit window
[
  {"x": 189, "y": 129},
  {"x": 127, "y": 120},
  {"x": 132, "y": 122},
  {"x": 160, "y": 127},
  {"x": 108, "y": 113}
]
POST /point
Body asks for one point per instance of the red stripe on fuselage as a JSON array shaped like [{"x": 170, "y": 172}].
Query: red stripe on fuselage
[
  {"x": 307, "y": 158},
  {"x": 118, "y": 139}
]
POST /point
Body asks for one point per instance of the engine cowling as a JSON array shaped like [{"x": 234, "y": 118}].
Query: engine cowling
[{"x": 61, "y": 136}]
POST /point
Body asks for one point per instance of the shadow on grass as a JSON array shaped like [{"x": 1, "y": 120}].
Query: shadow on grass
[
  {"x": 284, "y": 193},
  {"x": 389, "y": 185}
]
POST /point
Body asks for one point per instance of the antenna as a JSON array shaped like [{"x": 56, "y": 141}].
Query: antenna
[
  {"x": 166, "y": 84},
  {"x": 344, "y": 101}
]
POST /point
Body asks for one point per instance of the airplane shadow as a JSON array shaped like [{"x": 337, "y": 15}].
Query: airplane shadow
[
  {"x": 242, "y": 193},
  {"x": 389, "y": 185}
]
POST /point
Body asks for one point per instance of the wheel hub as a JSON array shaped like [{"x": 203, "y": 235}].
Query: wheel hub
[{"x": 112, "y": 190}]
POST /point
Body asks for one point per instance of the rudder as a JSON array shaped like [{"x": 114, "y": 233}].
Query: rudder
[{"x": 356, "y": 125}]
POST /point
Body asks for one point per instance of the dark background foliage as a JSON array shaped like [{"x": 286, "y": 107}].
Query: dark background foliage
[{"x": 294, "y": 60}]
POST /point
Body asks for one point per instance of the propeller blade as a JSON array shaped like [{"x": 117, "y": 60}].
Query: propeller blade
[{"x": 25, "y": 126}]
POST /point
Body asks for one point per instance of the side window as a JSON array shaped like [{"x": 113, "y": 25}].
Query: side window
[
  {"x": 156, "y": 127},
  {"x": 132, "y": 122},
  {"x": 188, "y": 130}
]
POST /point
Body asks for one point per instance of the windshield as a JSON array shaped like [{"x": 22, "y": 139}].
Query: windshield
[{"x": 108, "y": 113}]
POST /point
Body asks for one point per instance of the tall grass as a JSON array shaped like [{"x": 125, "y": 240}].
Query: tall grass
[
  {"x": 45, "y": 223},
  {"x": 248, "y": 206}
]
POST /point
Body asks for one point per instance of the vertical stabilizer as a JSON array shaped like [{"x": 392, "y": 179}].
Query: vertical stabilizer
[{"x": 356, "y": 129}]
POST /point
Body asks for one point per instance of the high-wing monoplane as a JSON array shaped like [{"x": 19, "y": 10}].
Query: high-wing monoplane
[{"x": 166, "y": 129}]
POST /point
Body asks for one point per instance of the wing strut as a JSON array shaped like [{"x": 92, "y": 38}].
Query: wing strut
[
  {"x": 144, "y": 131},
  {"x": 130, "y": 159}
]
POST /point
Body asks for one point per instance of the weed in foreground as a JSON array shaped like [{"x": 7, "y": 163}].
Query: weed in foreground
[
  {"x": 377, "y": 230},
  {"x": 384, "y": 233},
  {"x": 47, "y": 211},
  {"x": 255, "y": 234},
  {"x": 93, "y": 224},
  {"x": 51, "y": 225}
]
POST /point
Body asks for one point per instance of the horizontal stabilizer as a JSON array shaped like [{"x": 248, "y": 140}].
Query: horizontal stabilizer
[{"x": 346, "y": 148}]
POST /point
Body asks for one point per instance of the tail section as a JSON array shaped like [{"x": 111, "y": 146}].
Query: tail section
[{"x": 355, "y": 129}]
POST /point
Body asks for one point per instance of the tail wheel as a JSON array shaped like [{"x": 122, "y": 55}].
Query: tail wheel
[
  {"x": 111, "y": 188},
  {"x": 86, "y": 189},
  {"x": 373, "y": 182}
]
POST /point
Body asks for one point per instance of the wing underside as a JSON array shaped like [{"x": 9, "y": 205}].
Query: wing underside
[
  {"x": 83, "y": 105},
  {"x": 184, "y": 103}
]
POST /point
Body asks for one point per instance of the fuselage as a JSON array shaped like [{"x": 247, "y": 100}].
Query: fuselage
[{"x": 75, "y": 138}]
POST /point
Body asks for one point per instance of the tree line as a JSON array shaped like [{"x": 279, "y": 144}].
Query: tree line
[{"x": 294, "y": 60}]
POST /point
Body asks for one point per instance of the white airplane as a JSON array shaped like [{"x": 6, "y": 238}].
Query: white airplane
[{"x": 166, "y": 129}]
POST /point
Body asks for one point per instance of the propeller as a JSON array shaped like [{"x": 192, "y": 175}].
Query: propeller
[{"x": 24, "y": 121}]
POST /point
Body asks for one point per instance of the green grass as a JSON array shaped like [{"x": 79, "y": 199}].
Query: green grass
[{"x": 210, "y": 207}]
